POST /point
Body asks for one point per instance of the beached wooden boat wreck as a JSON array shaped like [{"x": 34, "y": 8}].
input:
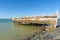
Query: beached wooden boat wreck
[{"x": 47, "y": 19}]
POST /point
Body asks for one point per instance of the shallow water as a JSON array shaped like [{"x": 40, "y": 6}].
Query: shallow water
[{"x": 11, "y": 31}]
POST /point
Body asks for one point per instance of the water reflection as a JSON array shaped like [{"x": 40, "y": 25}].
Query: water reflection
[
  {"x": 12, "y": 31},
  {"x": 22, "y": 31}
]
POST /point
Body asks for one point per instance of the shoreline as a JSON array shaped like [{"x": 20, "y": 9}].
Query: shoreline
[{"x": 54, "y": 35}]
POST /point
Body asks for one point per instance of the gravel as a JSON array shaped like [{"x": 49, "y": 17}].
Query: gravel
[{"x": 54, "y": 35}]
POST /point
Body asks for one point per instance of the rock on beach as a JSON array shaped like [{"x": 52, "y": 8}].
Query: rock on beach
[{"x": 54, "y": 35}]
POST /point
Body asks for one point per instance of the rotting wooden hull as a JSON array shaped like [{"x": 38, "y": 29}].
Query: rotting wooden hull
[{"x": 37, "y": 20}]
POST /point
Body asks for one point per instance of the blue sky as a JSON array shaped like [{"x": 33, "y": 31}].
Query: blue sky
[{"x": 19, "y": 8}]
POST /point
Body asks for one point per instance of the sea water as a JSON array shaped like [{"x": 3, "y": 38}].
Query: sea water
[{"x": 11, "y": 31}]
